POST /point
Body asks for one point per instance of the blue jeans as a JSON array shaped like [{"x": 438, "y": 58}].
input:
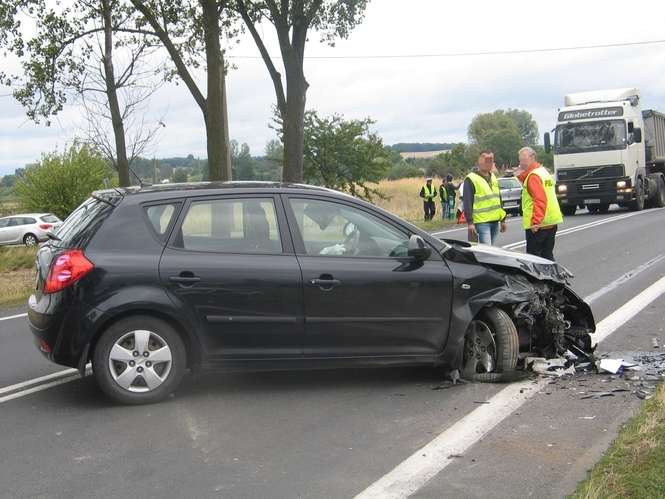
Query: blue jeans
[{"x": 487, "y": 232}]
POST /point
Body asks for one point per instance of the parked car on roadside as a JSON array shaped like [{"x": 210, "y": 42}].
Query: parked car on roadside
[
  {"x": 148, "y": 282},
  {"x": 511, "y": 194},
  {"x": 27, "y": 228}
]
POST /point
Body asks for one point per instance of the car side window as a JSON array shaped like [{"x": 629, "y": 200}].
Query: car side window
[
  {"x": 4, "y": 222},
  {"x": 335, "y": 229},
  {"x": 242, "y": 225},
  {"x": 14, "y": 222},
  {"x": 160, "y": 216},
  {"x": 28, "y": 221}
]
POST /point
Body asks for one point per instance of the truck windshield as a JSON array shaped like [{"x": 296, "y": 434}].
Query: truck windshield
[{"x": 590, "y": 136}]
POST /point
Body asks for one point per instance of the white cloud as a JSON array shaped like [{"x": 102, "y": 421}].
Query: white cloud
[{"x": 422, "y": 99}]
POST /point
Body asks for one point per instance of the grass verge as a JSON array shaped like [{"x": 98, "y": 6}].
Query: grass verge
[
  {"x": 16, "y": 286},
  {"x": 17, "y": 274},
  {"x": 17, "y": 258},
  {"x": 634, "y": 466}
]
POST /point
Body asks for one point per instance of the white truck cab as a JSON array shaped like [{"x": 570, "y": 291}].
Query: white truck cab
[{"x": 602, "y": 154}]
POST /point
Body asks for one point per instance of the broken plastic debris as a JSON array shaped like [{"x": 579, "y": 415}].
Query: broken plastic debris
[
  {"x": 615, "y": 366},
  {"x": 587, "y": 417},
  {"x": 654, "y": 342}
]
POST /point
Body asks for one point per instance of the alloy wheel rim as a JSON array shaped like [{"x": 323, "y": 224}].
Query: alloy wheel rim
[
  {"x": 30, "y": 241},
  {"x": 479, "y": 349},
  {"x": 140, "y": 361}
]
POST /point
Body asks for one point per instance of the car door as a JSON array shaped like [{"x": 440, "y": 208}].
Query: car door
[
  {"x": 230, "y": 266},
  {"x": 4, "y": 230},
  {"x": 12, "y": 232},
  {"x": 363, "y": 295}
]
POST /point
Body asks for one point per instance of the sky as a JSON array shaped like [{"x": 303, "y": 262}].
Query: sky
[{"x": 412, "y": 99}]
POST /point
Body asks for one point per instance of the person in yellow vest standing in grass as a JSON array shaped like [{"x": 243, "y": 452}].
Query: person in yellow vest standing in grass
[
  {"x": 428, "y": 193},
  {"x": 482, "y": 202},
  {"x": 541, "y": 213}
]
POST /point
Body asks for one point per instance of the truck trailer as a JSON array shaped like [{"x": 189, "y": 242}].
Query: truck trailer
[{"x": 608, "y": 151}]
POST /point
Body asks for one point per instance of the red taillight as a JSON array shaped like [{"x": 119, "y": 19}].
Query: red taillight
[
  {"x": 44, "y": 347},
  {"x": 66, "y": 269},
  {"x": 45, "y": 226}
]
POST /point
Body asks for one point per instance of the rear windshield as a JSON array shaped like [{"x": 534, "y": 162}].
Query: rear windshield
[
  {"x": 509, "y": 183},
  {"x": 50, "y": 219},
  {"x": 79, "y": 227}
]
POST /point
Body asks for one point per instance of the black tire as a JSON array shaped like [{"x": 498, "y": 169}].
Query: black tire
[
  {"x": 638, "y": 203},
  {"x": 30, "y": 239},
  {"x": 506, "y": 343},
  {"x": 159, "y": 332},
  {"x": 659, "y": 200},
  {"x": 604, "y": 208},
  {"x": 593, "y": 208},
  {"x": 568, "y": 210}
]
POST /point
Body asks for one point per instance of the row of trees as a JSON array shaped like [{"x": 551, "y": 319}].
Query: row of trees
[{"x": 74, "y": 53}]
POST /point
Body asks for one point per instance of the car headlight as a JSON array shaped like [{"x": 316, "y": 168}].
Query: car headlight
[
  {"x": 562, "y": 188},
  {"x": 621, "y": 184}
]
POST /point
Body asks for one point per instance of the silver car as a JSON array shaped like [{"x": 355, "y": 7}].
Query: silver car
[
  {"x": 27, "y": 228},
  {"x": 511, "y": 194}
]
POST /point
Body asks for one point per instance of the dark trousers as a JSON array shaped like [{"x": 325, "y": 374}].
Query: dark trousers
[
  {"x": 541, "y": 243},
  {"x": 430, "y": 209}
]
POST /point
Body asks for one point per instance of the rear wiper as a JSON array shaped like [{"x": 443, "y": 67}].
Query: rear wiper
[
  {"x": 103, "y": 200},
  {"x": 52, "y": 236}
]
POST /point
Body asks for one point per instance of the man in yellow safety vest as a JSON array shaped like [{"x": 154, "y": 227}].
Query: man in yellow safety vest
[
  {"x": 428, "y": 193},
  {"x": 540, "y": 208},
  {"x": 482, "y": 202}
]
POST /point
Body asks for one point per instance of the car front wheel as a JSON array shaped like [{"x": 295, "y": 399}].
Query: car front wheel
[
  {"x": 139, "y": 360},
  {"x": 491, "y": 346}
]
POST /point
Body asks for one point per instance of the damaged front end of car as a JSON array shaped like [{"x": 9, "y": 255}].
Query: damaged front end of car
[{"x": 550, "y": 318}]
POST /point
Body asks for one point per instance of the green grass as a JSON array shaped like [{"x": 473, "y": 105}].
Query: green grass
[
  {"x": 435, "y": 225},
  {"x": 634, "y": 466},
  {"x": 17, "y": 258}
]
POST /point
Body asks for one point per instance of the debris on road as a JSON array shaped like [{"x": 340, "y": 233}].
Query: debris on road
[{"x": 654, "y": 342}]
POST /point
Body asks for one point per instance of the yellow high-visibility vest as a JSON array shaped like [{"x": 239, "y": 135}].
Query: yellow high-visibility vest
[
  {"x": 486, "y": 200},
  {"x": 553, "y": 215}
]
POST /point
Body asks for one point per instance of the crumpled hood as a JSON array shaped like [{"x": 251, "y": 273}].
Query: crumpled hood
[{"x": 537, "y": 267}]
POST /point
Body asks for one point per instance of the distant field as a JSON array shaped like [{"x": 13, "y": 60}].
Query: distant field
[
  {"x": 403, "y": 199},
  {"x": 422, "y": 154}
]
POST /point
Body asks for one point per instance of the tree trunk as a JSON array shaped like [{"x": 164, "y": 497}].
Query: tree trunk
[
  {"x": 116, "y": 117},
  {"x": 293, "y": 122},
  {"x": 215, "y": 114}
]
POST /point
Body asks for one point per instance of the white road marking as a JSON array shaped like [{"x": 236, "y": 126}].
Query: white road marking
[
  {"x": 413, "y": 473},
  {"x": 42, "y": 383},
  {"x": 10, "y": 317},
  {"x": 589, "y": 225},
  {"x": 623, "y": 279}
]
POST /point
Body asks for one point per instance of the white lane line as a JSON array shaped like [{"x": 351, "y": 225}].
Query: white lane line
[
  {"x": 623, "y": 279},
  {"x": 413, "y": 473},
  {"x": 589, "y": 225},
  {"x": 618, "y": 318},
  {"x": 36, "y": 381},
  {"x": 10, "y": 317},
  {"x": 42, "y": 383}
]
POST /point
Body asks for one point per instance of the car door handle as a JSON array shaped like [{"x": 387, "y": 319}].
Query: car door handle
[
  {"x": 325, "y": 284},
  {"x": 184, "y": 279}
]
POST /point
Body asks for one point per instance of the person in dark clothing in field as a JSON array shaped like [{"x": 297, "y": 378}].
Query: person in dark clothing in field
[
  {"x": 428, "y": 193},
  {"x": 448, "y": 194}
]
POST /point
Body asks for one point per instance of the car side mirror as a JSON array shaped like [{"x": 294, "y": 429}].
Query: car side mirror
[
  {"x": 637, "y": 135},
  {"x": 548, "y": 142},
  {"x": 418, "y": 249}
]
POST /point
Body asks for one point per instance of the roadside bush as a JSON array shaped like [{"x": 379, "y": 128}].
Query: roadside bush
[
  {"x": 60, "y": 182},
  {"x": 403, "y": 170}
]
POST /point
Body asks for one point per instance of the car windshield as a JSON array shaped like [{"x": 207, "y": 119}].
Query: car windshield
[
  {"x": 590, "y": 136},
  {"x": 509, "y": 183}
]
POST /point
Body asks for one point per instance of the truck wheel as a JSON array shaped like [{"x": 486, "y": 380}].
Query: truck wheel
[
  {"x": 659, "y": 200},
  {"x": 638, "y": 204},
  {"x": 491, "y": 347},
  {"x": 604, "y": 208},
  {"x": 593, "y": 208},
  {"x": 568, "y": 210}
]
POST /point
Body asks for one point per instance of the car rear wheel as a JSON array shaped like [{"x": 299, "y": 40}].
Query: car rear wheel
[
  {"x": 30, "y": 240},
  {"x": 139, "y": 360},
  {"x": 491, "y": 346}
]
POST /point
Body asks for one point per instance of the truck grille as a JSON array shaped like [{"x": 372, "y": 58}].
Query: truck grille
[{"x": 609, "y": 171}]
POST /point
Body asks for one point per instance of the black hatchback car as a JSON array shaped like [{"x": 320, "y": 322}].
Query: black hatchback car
[{"x": 148, "y": 282}]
